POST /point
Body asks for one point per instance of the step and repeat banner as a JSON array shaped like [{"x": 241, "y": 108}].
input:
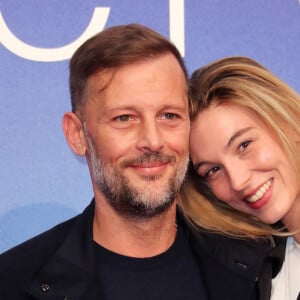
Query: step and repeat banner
[{"x": 41, "y": 182}]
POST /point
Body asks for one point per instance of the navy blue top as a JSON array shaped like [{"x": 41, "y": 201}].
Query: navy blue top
[{"x": 173, "y": 274}]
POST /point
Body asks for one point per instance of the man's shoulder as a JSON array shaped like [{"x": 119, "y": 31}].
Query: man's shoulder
[
  {"x": 22, "y": 267},
  {"x": 32, "y": 253}
]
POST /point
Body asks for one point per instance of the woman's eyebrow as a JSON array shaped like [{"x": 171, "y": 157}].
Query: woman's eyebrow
[
  {"x": 200, "y": 164},
  {"x": 238, "y": 134}
]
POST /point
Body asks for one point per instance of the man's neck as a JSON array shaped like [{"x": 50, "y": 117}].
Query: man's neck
[{"x": 134, "y": 237}]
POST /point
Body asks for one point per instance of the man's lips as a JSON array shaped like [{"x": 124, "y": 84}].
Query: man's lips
[
  {"x": 148, "y": 160},
  {"x": 148, "y": 164},
  {"x": 149, "y": 168}
]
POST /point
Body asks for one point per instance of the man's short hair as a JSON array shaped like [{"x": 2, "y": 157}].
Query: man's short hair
[{"x": 113, "y": 48}]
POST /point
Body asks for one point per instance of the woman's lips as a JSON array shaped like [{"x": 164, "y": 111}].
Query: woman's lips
[{"x": 261, "y": 196}]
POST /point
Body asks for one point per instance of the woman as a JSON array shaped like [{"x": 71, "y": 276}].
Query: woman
[{"x": 244, "y": 143}]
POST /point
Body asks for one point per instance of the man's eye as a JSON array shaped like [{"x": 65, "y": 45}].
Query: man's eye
[
  {"x": 169, "y": 116},
  {"x": 123, "y": 118}
]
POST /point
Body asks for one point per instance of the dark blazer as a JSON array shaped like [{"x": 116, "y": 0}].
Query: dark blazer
[{"x": 59, "y": 264}]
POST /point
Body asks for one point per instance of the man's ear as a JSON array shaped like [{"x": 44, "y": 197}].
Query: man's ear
[{"x": 74, "y": 133}]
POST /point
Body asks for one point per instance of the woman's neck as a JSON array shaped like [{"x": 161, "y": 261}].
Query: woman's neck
[{"x": 292, "y": 220}]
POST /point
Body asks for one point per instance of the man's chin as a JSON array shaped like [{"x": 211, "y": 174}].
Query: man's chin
[{"x": 141, "y": 211}]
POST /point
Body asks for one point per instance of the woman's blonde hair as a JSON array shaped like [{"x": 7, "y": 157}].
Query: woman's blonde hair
[{"x": 244, "y": 82}]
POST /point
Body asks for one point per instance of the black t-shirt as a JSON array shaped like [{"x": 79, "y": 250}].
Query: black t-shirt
[{"x": 173, "y": 274}]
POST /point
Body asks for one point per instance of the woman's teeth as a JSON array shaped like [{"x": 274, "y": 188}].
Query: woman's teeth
[{"x": 259, "y": 194}]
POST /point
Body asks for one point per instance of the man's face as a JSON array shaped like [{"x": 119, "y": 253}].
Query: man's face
[{"x": 137, "y": 130}]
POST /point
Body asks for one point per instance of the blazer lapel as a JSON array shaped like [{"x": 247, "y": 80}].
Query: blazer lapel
[
  {"x": 230, "y": 266},
  {"x": 70, "y": 273}
]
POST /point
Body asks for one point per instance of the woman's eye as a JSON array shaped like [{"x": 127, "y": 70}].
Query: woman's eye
[
  {"x": 211, "y": 172},
  {"x": 244, "y": 145}
]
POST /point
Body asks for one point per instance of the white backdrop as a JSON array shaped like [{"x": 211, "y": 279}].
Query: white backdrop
[{"x": 41, "y": 181}]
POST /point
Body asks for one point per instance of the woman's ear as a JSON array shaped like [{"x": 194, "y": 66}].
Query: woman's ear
[{"x": 74, "y": 133}]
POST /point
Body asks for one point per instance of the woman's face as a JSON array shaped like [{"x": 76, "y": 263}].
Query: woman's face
[{"x": 242, "y": 161}]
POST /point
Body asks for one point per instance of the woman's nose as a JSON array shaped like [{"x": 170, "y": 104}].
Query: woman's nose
[{"x": 239, "y": 175}]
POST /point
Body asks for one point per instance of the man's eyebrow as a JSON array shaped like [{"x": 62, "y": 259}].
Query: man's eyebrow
[{"x": 238, "y": 134}]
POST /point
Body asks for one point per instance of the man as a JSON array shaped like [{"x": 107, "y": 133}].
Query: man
[{"x": 130, "y": 120}]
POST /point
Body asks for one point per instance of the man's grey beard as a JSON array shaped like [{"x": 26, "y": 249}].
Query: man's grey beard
[{"x": 128, "y": 200}]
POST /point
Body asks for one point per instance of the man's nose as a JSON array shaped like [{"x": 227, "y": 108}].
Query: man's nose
[{"x": 150, "y": 136}]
